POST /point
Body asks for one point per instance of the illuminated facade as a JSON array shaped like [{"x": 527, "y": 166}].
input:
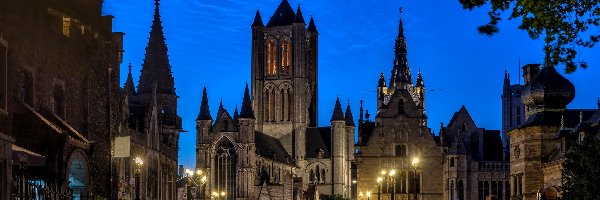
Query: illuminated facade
[{"x": 273, "y": 148}]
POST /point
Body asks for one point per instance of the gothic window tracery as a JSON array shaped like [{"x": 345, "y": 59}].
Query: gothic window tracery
[
  {"x": 271, "y": 57},
  {"x": 286, "y": 47}
]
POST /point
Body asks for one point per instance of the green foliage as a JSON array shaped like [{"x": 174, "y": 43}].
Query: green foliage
[
  {"x": 581, "y": 171},
  {"x": 337, "y": 197},
  {"x": 564, "y": 24}
]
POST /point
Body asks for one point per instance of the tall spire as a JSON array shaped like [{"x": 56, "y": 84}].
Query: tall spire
[
  {"x": 247, "y": 105},
  {"x": 129, "y": 86},
  {"x": 221, "y": 109},
  {"x": 236, "y": 115},
  {"x": 283, "y": 16},
  {"x": 204, "y": 113},
  {"x": 381, "y": 82},
  {"x": 420, "y": 82},
  {"x": 311, "y": 25},
  {"x": 401, "y": 71},
  {"x": 257, "y": 19},
  {"x": 156, "y": 65},
  {"x": 349, "y": 118},
  {"x": 299, "y": 17},
  {"x": 338, "y": 114}
]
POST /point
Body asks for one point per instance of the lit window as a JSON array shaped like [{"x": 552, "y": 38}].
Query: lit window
[
  {"x": 271, "y": 58},
  {"x": 66, "y": 26},
  {"x": 286, "y": 47}
]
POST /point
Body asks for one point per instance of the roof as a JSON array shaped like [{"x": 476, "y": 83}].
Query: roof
[
  {"x": 283, "y": 16},
  {"x": 337, "y": 115},
  {"x": 270, "y": 147},
  {"x": 492, "y": 145},
  {"x": 257, "y": 19},
  {"x": 318, "y": 138}
]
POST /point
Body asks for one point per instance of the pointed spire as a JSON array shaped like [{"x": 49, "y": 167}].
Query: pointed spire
[
  {"x": 204, "y": 113},
  {"x": 221, "y": 109},
  {"x": 156, "y": 65},
  {"x": 311, "y": 25},
  {"x": 381, "y": 82},
  {"x": 360, "y": 115},
  {"x": 420, "y": 82},
  {"x": 338, "y": 114},
  {"x": 299, "y": 17},
  {"x": 129, "y": 86},
  {"x": 349, "y": 118},
  {"x": 283, "y": 16},
  {"x": 401, "y": 71},
  {"x": 257, "y": 19},
  {"x": 247, "y": 111},
  {"x": 236, "y": 115}
]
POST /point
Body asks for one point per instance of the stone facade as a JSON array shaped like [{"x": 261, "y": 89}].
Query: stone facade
[
  {"x": 59, "y": 69},
  {"x": 537, "y": 147},
  {"x": 273, "y": 148},
  {"x": 150, "y": 121}
]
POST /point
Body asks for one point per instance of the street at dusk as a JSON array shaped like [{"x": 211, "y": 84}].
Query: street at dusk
[{"x": 287, "y": 99}]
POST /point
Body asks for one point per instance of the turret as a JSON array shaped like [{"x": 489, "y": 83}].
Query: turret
[
  {"x": 420, "y": 91},
  {"x": 349, "y": 154},
  {"x": 129, "y": 87},
  {"x": 203, "y": 124},
  {"x": 246, "y": 118},
  {"x": 381, "y": 90},
  {"x": 338, "y": 145}
]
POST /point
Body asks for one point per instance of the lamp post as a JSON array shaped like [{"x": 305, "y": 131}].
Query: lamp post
[
  {"x": 193, "y": 178},
  {"x": 392, "y": 173},
  {"x": 138, "y": 170},
  {"x": 368, "y": 195},
  {"x": 379, "y": 180},
  {"x": 415, "y": 163},
  {"x": 360, "y": 195}
]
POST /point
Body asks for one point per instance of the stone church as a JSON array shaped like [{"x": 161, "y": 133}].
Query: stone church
[
  {"x": 538, "y": 146},
  {"x": 149, "y": 121},
  {"x": 399, "y": 157},
  {"x": 273, "y": 148}
]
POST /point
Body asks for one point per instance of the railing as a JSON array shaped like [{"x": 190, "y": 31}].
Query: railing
[
  {"x": 494, "y": 166},
  {"x": 36, "y": 189}
]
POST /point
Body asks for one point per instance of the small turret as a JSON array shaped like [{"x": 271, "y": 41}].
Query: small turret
[
  {"x": 349, "y": 118},
  {"x": 257, "y": 19},
  {"x": 311, "y": 26},
  {"x": 221, "y": 109},
  {"x": 338, "y": 114},
  {"x": 236, "y": 115},
  {"x": 299, "y": 17},
  {"x": 204, "y": 113},
  {"x": 247, "y": 111},
  {"x": 129, "y": 86}
]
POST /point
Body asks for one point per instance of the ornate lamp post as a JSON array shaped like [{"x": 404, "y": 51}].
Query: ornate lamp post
[
  {"x": 199, "y": 180},
  {"x": 379, "y": 182},
  {"x": 391, "y": 174},
  {"x": 415, "y": 163},
  {"x": 138, "y": 170}
]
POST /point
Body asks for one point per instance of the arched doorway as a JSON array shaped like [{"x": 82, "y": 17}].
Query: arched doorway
[{"x": 77, "y": 174}]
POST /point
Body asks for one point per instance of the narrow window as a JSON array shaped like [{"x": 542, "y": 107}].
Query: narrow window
[
  {"x": 290, "y": 103},
  {"x": 59, "y": 108},
  {"x": 461, "y": 193},
  {"x": 271, "y": 58},
  {"x": 273, "y": 99},
  {"x": 323, "y": 175},
  {"x": 285, "y": 56},
  {"x": 266, "y": 105},
  {"x": 480, "y": 193},
  {"x": 66, "y": 30},
  {"x": 451, "y": 190},
  {"x": 283, "y": 106},
  {"x": 452, "y": 162},
  {"x": 507, "y": 190},
  {"x": 318, "y": 174}
]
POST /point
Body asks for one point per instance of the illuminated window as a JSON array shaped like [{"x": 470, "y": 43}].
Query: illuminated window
[
  {"x": 3, "y": 73},
  {"x": 271, "y": 57},
  {"x": 66, "y": 26},
  {"x": 286, "y": 47}
]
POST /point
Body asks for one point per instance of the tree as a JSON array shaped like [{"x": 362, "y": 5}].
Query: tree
[
  {"x": 564, "y": 24},
  {"x": 581, "y": 170}
]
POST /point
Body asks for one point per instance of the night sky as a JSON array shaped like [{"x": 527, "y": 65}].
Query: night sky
[{"x": 209, "y": 45}]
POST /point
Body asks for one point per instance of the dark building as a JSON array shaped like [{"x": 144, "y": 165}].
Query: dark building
[
  {"x": 59, "y": 64},
  {"x": 273, "y": 148},
  {"x": 513, "y": 110},
  {"x": 150, "y": 124}
]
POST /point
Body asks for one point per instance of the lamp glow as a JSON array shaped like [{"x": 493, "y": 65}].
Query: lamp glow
[
  {"x": 392, "y": 172},
  {"x": 139, "y": 161},
  {"x": 415, "y": 161},
  {"x": 379, "y": 179}
]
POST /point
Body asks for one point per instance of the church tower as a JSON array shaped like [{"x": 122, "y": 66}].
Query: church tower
[
  {"x": 156, "y": 72},
  {"x": 284, "y": 77}
]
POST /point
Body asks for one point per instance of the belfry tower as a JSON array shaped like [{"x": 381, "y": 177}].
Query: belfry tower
[{"x": 284, "y": 77}]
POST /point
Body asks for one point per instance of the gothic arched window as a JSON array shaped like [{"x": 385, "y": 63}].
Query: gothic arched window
[
  {"x": 267, "y": 105},
  {"x": 271, "y": 57},
  {"x": 283, "y": 105},
  {"x": 286, "y": 48},
  {"x": 272, "y": 102},
  {"x": 318, "y": 174},
  {"x": 323, "y": 175},
  {"x": 289, "y": 105}
]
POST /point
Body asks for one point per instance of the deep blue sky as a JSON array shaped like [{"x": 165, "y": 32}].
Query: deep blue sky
[{"x": 209, "y": 44}]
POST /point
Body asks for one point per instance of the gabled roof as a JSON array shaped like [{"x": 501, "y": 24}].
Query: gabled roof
[
  {"x": 461, "y": 113},
  {"x": 318, "y": 138},
  {"x": 283, "y": 16},
  {"x": 270, "y": 147},
  {"x": 224, "y": 123}
]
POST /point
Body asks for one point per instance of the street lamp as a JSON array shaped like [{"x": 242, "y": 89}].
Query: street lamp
[
  {"x": 138, "y": 170},
  {"x": 379, "y": 180},
  {"x": 368, "y": 195},
  {"x": 193, "y": 177},
  {"x": 415, "y": 163},
  {"x": 190, "y": 175},
  {"x": 392, "y": 173}
]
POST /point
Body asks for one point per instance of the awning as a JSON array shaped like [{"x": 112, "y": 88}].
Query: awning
[{"x": 30, "y": 158}]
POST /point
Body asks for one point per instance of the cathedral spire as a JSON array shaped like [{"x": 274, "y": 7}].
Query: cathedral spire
[
  {"x": 247, "y": 105},
  {"x": 401, "y": 71},
  {"x": 156, "y": 65},
  {"x": 257, "y": 19},
  {"x": 236, "y": 115},
  {"x": 221, "y": 109},
  {"x": 420, "y": 82},
  {"x": 349, "y": 118},
  {"x": 299, "y": 17},
  {"x": 129, "y": 86},
  {"x": 338, "y": 114},
  {"x": 204, "y": 113},
  {"x": 311, "y": 25},
  {"x": 381, "y": 82}
]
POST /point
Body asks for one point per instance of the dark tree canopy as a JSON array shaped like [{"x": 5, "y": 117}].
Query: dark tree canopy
[
  {"x": 581, "y": 171},
  {"x": 564, "y": 24}
]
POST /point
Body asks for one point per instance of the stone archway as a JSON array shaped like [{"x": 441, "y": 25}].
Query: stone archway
[{"x": 78, "y": 175}]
